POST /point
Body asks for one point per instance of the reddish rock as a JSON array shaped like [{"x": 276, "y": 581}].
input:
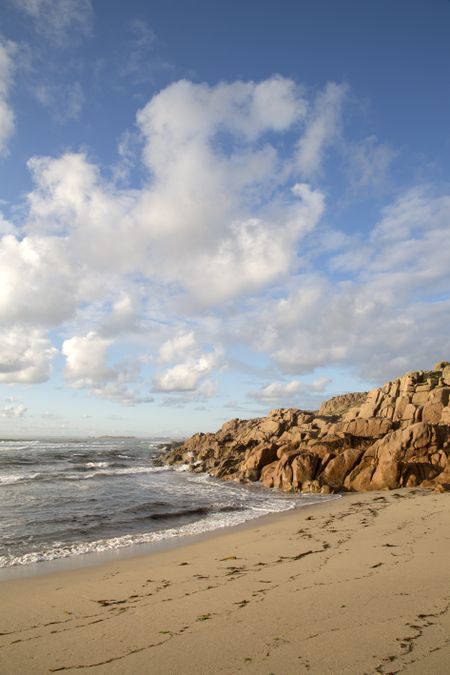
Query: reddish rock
[
  {"x": 340, "y": 466},
  {"x": 258, "y": 457},
  {"x": 267, "y": 474},
  {"x": 432, "y": 412},
  {"x": 396, "y": 435},
  {"x": 304, "y": 467},
  {"x": 374, "y": 427}
]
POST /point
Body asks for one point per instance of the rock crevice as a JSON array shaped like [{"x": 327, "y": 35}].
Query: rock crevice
[{"x": 395, "y": 436}]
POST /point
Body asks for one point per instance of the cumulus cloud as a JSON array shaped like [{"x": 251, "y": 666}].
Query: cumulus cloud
[
  {"x": 221, "y": 200},
  {"x": 287, "y": 393},
  {"x": 387, "y": 315},
  {"x": 277, "y": 391},
  {"x": 86, "y": 360},
  {"x": 87, "y": 367},
  {"x": 222, "y": 238},
  {"x": 7, "y": 51},
  {"x": 60, "y": 22},
  {"x": 187, "y": 376},
  {"x": 322, "y": 130},
  {"x": 38, "y": 282},
  {"x": 123, "y": 316},
  {"x": 190, "y": 366},
  {"x": 6, "y": 226},
  {"x": 25, "y": 356},
  {"x": 177, "y": 347}
]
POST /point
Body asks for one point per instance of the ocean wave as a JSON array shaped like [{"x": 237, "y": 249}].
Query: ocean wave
[
  {"x": 212, "y": 522},
  {"x": 97, "y": 465},
  {"x": 123, "y": 471},
  {"x": 12, "y": 479}
]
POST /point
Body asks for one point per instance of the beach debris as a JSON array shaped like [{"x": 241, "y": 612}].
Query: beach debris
[{"x": 204, "y": 617}]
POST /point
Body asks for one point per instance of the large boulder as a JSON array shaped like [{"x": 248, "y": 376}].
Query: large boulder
[
  {"x": 395, "y": 435},
  {"x": 340, "y": 466}
]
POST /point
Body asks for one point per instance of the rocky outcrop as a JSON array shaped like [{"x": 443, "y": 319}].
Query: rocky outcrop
[
  {"x": 395, "y": 436},
  {"x": 338, "y": 405}
]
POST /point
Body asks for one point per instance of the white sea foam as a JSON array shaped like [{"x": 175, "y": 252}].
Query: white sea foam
[
  {"x": 97, "y": 465},
  {"x": 12, "y": 478},
  {"x": 181, "y": 468},
  {"x": 102, "y": 470},
  {"x": 208, "y": 524},
  {"x": 124, "y": 471}
]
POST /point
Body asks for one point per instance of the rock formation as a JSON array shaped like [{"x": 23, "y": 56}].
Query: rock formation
[{"x": 394, "y": 436}]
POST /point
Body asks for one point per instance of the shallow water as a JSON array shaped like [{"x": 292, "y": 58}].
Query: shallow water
[{"x": 61, "y": 498}]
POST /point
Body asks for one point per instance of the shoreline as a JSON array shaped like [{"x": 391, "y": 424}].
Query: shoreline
[
  {"x": 358, "y": 584},
  {"x": 72, "y": 563}
]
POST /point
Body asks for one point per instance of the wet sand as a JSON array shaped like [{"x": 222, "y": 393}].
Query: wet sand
[{"x": 357, "y": 585}]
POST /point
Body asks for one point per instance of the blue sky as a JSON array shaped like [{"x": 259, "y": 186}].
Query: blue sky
[{"x": 209, "y": 209}]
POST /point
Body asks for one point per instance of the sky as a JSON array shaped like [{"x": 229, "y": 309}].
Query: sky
[{"x": 212, "y": 209}]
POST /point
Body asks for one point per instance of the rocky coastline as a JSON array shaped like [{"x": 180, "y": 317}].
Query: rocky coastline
[{"x": 394, "y": 436}]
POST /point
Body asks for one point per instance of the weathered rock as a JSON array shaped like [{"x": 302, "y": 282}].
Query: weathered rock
[
  {"x": 432, "y": 413},
  {"x": 304, "y": 468},
  {"x": 441, "y": 365},
  {"x": 267, "y": 474},
  {"x": 446, "y": 375},
  {"x": 445, "y": 417},
  {"x": 311, "y": 486},
  {"x": 257, "y": 458},
  {"x": 337, "y": 468},
  {"x": 396, "y": 435},
  {"x": 373, "y": 427},
  {"x": 338, "y": 405}
]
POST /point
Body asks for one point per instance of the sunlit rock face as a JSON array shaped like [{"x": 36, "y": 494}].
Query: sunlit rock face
[{"x": 395, "y": 436}]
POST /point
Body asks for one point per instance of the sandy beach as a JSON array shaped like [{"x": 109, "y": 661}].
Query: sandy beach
[{"x": 358, "y": 585}]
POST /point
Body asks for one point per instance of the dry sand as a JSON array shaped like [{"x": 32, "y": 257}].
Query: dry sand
[{"x": 359, "y": 585}]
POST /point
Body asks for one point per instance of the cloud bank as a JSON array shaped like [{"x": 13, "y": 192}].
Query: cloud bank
[{"x": 225, "y": 244}]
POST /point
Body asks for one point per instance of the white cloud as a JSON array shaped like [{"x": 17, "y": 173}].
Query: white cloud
[
  {"x": 86, "y": 360},
  {"x": 389, "y": 313},
  {"x": 277, "y": 391},
  {"x": 12, "y": 409},
  {"x": 122, "y": 393},
  {"x": 25, "y": 356},
  {"x": 7, "y": 52},
  {"x": 209, "y": 209},
  {"x": 323, "y": 128},
  {"x": 288, "y": 393},
  {"x": 223, "y": 241},
  {"x": 37, "y": 281},
  {"x": 232, "y": 213},
  {"x": 177, "y": 347},
  {"x": 186, "y": 376},
  {"x": 87, "y": 368},
  {"x": 70, "y": 198},
  {"x": 123, "y": 317},
  {"x": 6, "y": 227},
  {"x": 60, "y": 21},
  {"x": 257, "y": 253},
  {"x": 320, "y": 385}
]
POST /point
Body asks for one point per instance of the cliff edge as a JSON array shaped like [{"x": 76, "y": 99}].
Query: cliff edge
[{"x": 395, "y": 436}]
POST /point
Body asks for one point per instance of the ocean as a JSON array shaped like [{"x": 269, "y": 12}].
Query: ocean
[{"x": 63, "y": 498}]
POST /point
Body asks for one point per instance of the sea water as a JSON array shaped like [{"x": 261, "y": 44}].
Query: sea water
[{"x": 68, "y": 497}]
